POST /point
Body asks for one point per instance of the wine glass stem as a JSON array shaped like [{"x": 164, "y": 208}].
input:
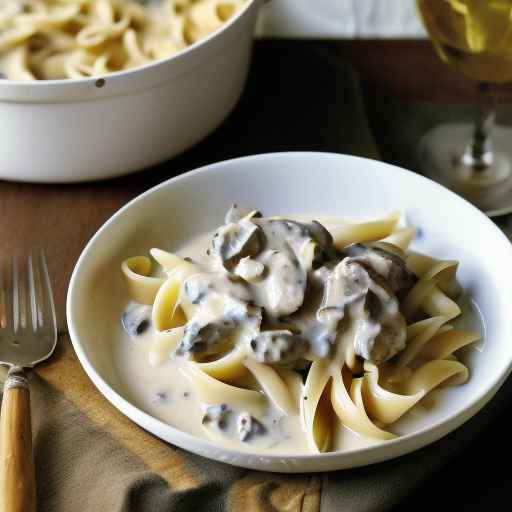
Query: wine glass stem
[{"x": 479, "y": 153}]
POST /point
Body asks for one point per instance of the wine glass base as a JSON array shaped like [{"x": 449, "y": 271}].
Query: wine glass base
[{"x": 439, "y": 158}]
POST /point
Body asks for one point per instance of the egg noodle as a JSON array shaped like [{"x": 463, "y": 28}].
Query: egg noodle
[
  {"x": 58, "y": 39},
  {"x": 365, "y": 396}
]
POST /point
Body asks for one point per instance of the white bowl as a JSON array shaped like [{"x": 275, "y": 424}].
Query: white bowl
[
  {"x": 300, "y": 183},
  {"x": 89, "y": 129}
]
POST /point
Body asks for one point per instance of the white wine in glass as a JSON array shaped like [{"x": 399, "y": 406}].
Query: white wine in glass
[{"x": 474, "y": 37}]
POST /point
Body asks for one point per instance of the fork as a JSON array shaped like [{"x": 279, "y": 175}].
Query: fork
[{"x": 28, "y": 335}]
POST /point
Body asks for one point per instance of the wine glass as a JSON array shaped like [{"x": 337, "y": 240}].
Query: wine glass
[{"x": 474, "y": 37}]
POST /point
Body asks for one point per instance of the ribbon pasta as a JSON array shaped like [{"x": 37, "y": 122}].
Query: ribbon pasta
[
  {"x": 142, "y": 288},
  {"x": 59, "y": 39},
  {"x": 365, "y": 398}
]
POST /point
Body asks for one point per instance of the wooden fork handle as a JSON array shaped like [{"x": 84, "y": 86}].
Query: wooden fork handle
[{"x": 17, "y": 474}]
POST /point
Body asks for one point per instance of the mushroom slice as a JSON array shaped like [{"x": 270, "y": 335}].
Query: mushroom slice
[
  {"x": 136, "y": 319},
  {"x": 237, "y": 213},
  {"x": 248, "y": 426},
  {"x": 357, "y": 290},
  {"x": 385, "y": 262},
  {"x": 278, "y": 347},
  {"x": 381, "y": 330},
  {"x": 288, "y": 250},
  {"x": 234, "y": 241},
  {"x": 222, "y": 312},
  {"x": 320, "y": 234},
  {"x": 206, "y": 288},
  {"x": 279, "y": 232},
  {"x": 377, "y": 342},
  {"x": 204, "y": 339},
  {"x": 217, "y": 415},
  {"x": 347, "y": 283}
]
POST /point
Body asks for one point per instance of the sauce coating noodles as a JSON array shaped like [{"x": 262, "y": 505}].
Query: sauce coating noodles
[{"x": 292, "y": 335}]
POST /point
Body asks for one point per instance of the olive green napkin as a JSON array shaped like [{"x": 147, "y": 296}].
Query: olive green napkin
[{"x": 89, "y": 457}]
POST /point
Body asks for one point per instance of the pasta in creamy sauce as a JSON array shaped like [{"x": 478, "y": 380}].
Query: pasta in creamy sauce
[
  {"x": 58, "y": 39},
  {"x": 286, "y": 330}
]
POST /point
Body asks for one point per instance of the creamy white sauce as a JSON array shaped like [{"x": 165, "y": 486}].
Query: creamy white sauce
[
  {"x": 158, "y": 385},
  {"x": 165, "y": 393}
]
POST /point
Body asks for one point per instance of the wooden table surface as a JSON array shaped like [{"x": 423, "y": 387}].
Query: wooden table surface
[
  {"x": 409, "y": 69},
  {"x": 62, "y": 218}
]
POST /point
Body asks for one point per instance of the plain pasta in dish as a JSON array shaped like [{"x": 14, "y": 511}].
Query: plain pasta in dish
[
  {"x": 58, "y": 39},
  {"x": 286, "y": 335}
]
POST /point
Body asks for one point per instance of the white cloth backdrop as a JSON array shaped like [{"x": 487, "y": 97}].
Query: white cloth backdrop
[{"x": 340, "y": 19}]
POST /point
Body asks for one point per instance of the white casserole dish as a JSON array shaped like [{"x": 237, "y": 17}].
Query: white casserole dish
[{"x": 89, "y": 129}]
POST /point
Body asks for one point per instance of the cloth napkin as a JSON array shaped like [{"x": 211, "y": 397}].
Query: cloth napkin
[{"x": 89, "y": 457}]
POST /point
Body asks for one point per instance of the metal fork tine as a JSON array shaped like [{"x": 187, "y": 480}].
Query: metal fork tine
[
  {"x": 15, "y": 293},
  {"x": 5, "y": 266},
  {"x": 49, "y": 306},
  {"x": 28, "y": 330},
  {"x": 32, "y": 292},
  {"x": 38, "y": 288}
]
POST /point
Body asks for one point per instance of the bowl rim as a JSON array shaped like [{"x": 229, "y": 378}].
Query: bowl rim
[
  {"x": 69, "y": 86},
  {"x": 384, "y": 451}
]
